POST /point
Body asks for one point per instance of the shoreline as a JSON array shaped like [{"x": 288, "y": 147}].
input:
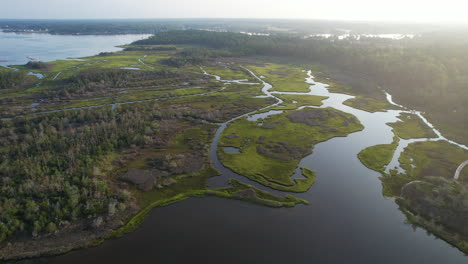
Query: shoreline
[{"x": 118, "y": 228}]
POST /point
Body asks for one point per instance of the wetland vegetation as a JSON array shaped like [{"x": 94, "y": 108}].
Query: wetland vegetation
[
  {"x": 268, "y": 153},
  {"x": 103, "y": 164},
  {"x": 66, "y": 172},
  {"x": 90, "y": 149},
  {"x": 294, "y": 101},
  {"x": 379, "y": 156},
  {"x": 428, "y": 193},
  {"x": 411, "y": 126},
  {"x": 369, "y": 104},
  {"x": 431, "y": 73},
  {"x": 425, "y": 190}
]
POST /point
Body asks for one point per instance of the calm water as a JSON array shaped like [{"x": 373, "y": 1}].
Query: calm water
[
  {"x": 16, "y": 48},
  {"x": 348, "y": 220}
]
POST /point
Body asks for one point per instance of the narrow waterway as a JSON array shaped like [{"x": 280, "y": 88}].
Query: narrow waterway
[
  {"x": 114, "y": 105},
  {"x": 226, "y": 174},
  {"x": 394, "y": 163},
  {"x": 348, "y": 220}
]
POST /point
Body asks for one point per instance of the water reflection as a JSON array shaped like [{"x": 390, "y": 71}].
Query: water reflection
[
  {"x": 348, "y": 220},
  {"x": 16, "y": 48}
]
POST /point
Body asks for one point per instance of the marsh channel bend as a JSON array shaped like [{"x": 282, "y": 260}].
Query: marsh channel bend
[{"x": 348, "y": 219}]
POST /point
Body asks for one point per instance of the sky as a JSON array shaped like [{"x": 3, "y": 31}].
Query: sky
[{"x": 446, "y": 11}]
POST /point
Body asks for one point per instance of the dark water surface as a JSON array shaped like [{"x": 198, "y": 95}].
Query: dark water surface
[{"x": 348, "y": 220}]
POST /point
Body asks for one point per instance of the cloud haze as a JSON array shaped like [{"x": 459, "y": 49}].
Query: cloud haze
[{"x": 395, "y": 10}]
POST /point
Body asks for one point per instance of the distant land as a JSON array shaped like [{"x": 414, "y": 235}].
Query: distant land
[
  {"x": 254, "y": 140},
  {"x": 149, "y": 26}
]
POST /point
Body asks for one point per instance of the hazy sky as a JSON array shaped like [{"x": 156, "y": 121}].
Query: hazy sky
[{"x": 388, "y": 10}]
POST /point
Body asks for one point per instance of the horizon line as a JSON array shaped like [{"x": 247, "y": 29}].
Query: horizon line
[{"x": 445, "y": 23}]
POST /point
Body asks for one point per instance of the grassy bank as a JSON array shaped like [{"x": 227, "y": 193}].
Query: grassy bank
[
  {"x": 283, "y": 77},
  {"x": 379, "y": 156},
  {"x": 433, "y": 158},
  {"x": 293, "y": 101},
  {"x": 238, "y": 191},
  {"x": 426, "y": 191},
  {"x": 411, "y": 126},
  {"x": 229, "y": 72},
  {"x": 369, "y": 104},
  {"x": 269, "y": 154}
]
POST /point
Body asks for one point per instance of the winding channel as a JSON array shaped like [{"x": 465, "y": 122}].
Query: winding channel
[
  {"x": 348, "y": 220},
  {"x": 114, "y": 105},
  {"x": 334, "y": 100},
  {"x": 394, "y": 163}
]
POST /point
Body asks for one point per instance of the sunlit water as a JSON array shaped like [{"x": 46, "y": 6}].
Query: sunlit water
[
  {"x": 16, "y": 48},
  {"x": 348, "y": 220},
  {"x": 359, "y": 36}
]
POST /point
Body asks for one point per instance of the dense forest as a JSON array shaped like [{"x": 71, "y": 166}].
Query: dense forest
[
  {"x": 50, "y": 165},
  {"x": 12, "y": 79},
  {"x": 103, "y": 80},
  {"x": 87, "y": 27},
  {"x": 196, "y": 56},
  {"x": 428, "y": 75},
  {"x": 60, "y": 169},
  {"x": 47, "y": 167},
  {"x": 37, "y": 65}
]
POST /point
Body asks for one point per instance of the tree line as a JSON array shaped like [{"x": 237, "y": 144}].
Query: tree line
[
  {"x": 12, "y": 79},
  {"x": 426, "y": 74},
  {"x": 49, "y": 167},
  {"x": 101, "y": 80}
]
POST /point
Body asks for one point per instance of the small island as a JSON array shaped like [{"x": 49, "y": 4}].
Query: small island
[{"x": 89, "y": 146}]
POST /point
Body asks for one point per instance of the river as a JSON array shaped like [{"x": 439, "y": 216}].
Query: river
[
  {"x": 15, "y": 48},
  {"x": 348, "y": 220}
]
